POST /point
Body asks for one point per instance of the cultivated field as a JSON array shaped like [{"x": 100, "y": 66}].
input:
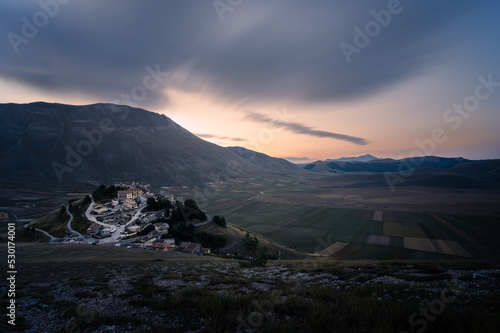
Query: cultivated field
[
  {"x": 314, "y": 214},
  {"x": 30, "y": 204}
]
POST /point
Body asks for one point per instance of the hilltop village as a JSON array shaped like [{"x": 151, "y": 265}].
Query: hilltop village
[{"x": 130, "y": 215}]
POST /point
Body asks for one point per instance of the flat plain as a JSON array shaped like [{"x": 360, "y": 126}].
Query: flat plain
[{"x": 311, "y": 214}]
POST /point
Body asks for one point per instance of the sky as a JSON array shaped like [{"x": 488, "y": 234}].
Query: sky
[{"x": 302, "y": 80}]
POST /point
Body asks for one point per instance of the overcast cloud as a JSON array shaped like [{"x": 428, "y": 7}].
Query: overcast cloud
[{"x": 263, "y": 50}]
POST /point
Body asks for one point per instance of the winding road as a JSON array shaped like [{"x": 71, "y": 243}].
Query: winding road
[
  {"x": 209, "y": 219},
  {"x": 46, "y": 233},
  {"x": 92, "y": 218},
  {"x": 69, "y": 222}
]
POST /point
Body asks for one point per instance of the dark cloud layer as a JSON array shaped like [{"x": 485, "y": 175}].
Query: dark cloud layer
[
  {"x": 262, "y": 50},
  {"x": 303, "y": 129}
]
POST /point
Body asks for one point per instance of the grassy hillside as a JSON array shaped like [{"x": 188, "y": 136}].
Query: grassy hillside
[
  {"x": 55, "y": 223},
  {"x": 80, "y": 223},
  {"x": 234, "y": 234},
  {"x": 26, "y": 234}
]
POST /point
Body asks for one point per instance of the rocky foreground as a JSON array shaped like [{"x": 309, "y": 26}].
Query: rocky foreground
[{"x": 160, "y": 295}]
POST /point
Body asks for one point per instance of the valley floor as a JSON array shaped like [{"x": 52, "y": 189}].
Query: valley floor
[{"x": 355, "y": 221}]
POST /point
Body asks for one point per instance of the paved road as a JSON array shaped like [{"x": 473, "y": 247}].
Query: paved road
[
  {"x": 69, "y": 223},
  {"x": 46, "y": 233},
  {"x": 209, "y": 219},
  {"x": 136, "y": 215},
  {"x": 119, "y": 228},
  {"x": 92, "y": 218}
]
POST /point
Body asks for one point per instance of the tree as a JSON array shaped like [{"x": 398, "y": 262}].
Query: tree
[
  {"x": 220, "y": 221},
  {"x": 192, "y": 211},
  {"x": 186, "y": 212},
  {"x": 262, "y": 259},
  {"x": 167, "y": 204},
  {"x": 146, "y": 230},
  {"x": 86, "y": 200},
  {"x": 176, "y": 216},
  {"x": 151, "y": 203},
  {"x": 155, "y": 204},
  {"x": 264, "y": 252},
  {"x": 250, "y": 244},
  {"x": 104, "y": 193}
]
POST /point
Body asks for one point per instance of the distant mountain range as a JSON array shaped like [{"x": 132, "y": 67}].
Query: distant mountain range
[
  {"x": 361, "y": 158},
  {"x": 429, "y": 171},
  {"x": 381, "y": 164},
  {"x": 56, "y": 143}
]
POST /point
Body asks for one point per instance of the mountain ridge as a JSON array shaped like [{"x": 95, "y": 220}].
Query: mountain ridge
[
  {"x": 263, "y": 160},
  {"x": 426, "y": 171},
  {"x": 360, "y": 158},
  {"x": 59, "y": 143},
  {"x": 384, "y": 164}
]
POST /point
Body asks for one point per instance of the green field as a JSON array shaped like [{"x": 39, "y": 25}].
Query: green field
[
  {"x": 312, "y": 215},
  {"x": 306, "y": 228},
  {"x": 311, "y": 229}
]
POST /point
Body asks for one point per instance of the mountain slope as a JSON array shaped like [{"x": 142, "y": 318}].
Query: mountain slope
[
  {"x": 265, "y": 161},
  {"x": 48, "y": 143}
]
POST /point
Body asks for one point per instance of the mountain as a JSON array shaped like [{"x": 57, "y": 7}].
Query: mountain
[
  {"x": 428, "y": 171},
  {"x": 384, "y": 165},
  {"x": 264, "y": 161},
  {"x": 56, "y": 143},
  {"x": 361, "y": 158}
]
